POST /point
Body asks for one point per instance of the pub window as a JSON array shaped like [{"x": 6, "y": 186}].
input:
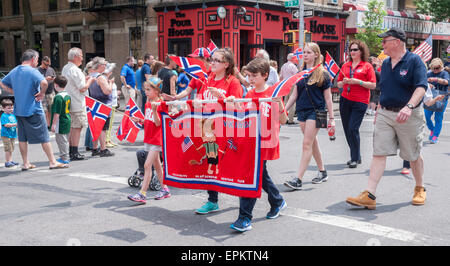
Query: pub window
[
  {"x": 135, "y": 41},
  {"x": 75, "y": 5},
  {"x": 2, "y": 52},
  {"x": 1, "y": 8},
  {"x": 54, "y": 49},
  {"x": 15, "y": 7},
  {"x": 99, "y": 41},
  {"x": 52, "y": 5},
  {"x": 17, "y": 49}
]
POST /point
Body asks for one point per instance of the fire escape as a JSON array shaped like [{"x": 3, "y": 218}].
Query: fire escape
[{"x": 135, "y": 8}]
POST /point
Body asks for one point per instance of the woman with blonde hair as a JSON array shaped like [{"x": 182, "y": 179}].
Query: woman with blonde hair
[
  {"x": 312, "y": 93},
  {"x": 437, "y": 78}
]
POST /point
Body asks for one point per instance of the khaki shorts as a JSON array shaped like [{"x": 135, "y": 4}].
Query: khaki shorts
[
  {"x": 8, "y": 144},
  {"x": 79, "y": 119},
  {"x": 389, "y": 135},
  {"x": 48, "y": 101}
]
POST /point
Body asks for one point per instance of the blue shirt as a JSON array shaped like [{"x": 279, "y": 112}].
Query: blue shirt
[
  {"x": 182, "y": 79},
  {"x": 442, "y": 75},
  {"x": 139, "y": 79},
  {"x": 398, "y": 85},
  {"x": 303, "y": 102},
  {"x": 128, "y": 73},
  {"x": 8, "y": 132},
  {"x": 25, "y": 82},
  {"x": 146, "y": 70}
]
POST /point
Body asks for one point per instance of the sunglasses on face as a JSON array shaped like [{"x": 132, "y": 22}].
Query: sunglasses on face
[
  {"x": 436, "y": 68},
  {"x": 354, "y": 50},
  {"x": 214, "y": 60}
]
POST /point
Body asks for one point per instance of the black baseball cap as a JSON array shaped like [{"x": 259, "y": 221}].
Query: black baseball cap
[{"x": 394, "y": 32}]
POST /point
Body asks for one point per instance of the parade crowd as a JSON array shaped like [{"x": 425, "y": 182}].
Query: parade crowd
[{"x": 400, "y": 91}]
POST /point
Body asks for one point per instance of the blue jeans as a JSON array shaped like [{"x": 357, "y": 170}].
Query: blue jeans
[
  {"x": 352, "y": 114},
  {"x": 246, "y": 205},
  {"x": 438, "y": 117},
  {"x": 144, "y": 100}
]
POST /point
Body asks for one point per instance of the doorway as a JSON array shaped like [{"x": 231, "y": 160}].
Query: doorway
[
  {"x": 332, "y": 48},
  {"x": 277, "y": 51}
]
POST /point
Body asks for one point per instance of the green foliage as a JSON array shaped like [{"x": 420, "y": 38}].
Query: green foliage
[
  {"x": 373, "y": 24},
  {"x": 438, "y": 9}
]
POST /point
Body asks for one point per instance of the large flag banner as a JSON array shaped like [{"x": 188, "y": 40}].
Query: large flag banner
[
  {"x": 129, "y": 129},
  {"x": 193, "y": 66},
  {"x": 283, "y": 87},
  {"x": 97, "y": 113},
  {"x": 425, "y": 49},
  {"x": 211, "y": 148},
  {"x": 331, "y": 66}
]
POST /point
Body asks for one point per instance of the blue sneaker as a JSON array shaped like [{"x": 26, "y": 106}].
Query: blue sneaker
[
  {"x": 62, "y": 161},
  {"x": 9, "y": 164},
  {"x": 15, "y": 163},
  {"x": 274, "y": 213},
  {"x": 207, "y": 208},
  {"x": 242, "y": 224},
  {"x": 138, "y": 197}
]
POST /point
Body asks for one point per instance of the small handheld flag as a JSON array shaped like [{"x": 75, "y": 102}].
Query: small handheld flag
[
  {"x": 212, "y": 47},
  {"x": 97, "y": 114},
  {"x": 193, "y": 66},
  {"x": 128, "y": 129},
  {"x": 331, "y": 66},
  {"x": 186, "y": 144},
  {"x": 283, "y": 87},
  {"x": 425, "y": 49}
]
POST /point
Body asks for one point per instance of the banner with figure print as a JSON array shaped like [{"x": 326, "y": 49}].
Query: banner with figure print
[{"x": 210, "y": 148}]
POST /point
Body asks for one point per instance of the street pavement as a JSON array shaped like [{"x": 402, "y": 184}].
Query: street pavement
[{"x": 87, "y": 204}]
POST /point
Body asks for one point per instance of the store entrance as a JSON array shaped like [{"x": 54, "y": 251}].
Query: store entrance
[
  {"x": 277, "y": 51},
  {"x": 332, "y": 48},
  {"x": 180, "y": 47}
]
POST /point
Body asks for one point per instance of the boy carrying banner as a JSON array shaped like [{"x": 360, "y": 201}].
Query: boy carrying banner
[{"x": 258, "y": 70}]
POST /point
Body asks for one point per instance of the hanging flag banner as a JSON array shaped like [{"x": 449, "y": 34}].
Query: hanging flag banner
[{"x": 213, "y": 148}]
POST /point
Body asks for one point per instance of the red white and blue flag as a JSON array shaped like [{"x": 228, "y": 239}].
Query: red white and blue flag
[
  {"x": 425, "y": 49},
  {"x": 97, "y": 114},
  {"x": 299, "y": 54},
  {"x": 346, "y": 52},
  {"x": 283, "y": 87},
  {"x": 187, "y": 143},
  {"x": 212, "y": 47},
  {"x": 331, "y": 66},
  {"x": 129, "y": 129},
  {"x": 193, "y": 66}
]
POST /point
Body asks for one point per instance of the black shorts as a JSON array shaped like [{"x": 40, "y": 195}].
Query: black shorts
[{"x": 213, "y": 160}]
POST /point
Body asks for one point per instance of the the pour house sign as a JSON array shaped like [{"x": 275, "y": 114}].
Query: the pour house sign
[{"x": 175, "y": 24}]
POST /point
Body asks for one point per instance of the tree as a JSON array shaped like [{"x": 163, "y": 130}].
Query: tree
[
  {"x": 373, "y": 25},
  {"x": 438, "y": 9},
  {"x": 28, "y": 24}
]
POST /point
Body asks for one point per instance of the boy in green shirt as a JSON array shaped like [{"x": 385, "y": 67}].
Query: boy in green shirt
[{"x": 60, "y": 123}]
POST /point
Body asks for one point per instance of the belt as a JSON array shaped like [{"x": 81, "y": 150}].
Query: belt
[{"x": 392, "y": 109}]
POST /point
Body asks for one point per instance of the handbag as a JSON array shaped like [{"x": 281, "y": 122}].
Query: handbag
[
  {"x": 439, "y": 106},
  {"x": 321, "y": 115}
]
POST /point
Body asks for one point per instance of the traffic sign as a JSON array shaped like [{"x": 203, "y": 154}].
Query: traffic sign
[
  {"x": 306, "y": 14},
  {"x": 292, "y": 3}
]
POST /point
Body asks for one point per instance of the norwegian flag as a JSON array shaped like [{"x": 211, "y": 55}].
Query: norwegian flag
[
  {"x": 425, "y": 49},
  {"x": 283, "y": 87},
  {"x": 192, "y": 66},
  {"x": 129, "y": 129},
  {"x": 331, "y": 66},
  {"x": 97, "y": 113},
  {"x": 346, "y": 51},
  {"x": 231, "y": 145},
  {"x": 299, "y": 54},
  {"x": 212, "y": 47},
  {"x": 186, "y": 144}
]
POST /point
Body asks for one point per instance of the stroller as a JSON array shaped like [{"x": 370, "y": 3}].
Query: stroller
[{"x": 136, "y": 179}]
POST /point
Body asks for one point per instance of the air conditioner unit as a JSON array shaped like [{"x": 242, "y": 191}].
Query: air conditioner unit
[
  {"x": 76, "y": 37},
  {"x": 333, "y": 2},
  {"x": 66, "y": 37}
]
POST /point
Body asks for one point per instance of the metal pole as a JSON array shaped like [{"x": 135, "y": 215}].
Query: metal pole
[{"x": 301, "y": 30}]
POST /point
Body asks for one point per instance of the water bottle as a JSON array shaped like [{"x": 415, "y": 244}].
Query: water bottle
[{"x": 331, "y": 131}]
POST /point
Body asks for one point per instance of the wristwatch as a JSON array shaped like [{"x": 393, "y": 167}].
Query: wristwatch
[{"x": 410, "y": 106}]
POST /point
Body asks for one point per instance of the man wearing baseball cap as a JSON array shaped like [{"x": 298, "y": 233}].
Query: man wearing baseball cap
[{"x": 399, "y": 123}]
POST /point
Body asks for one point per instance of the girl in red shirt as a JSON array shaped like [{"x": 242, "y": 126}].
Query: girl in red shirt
[
  {"x": 357, "y": 78},
  {"x": 152, "y": 140},
  {"x": 220, "y": 84}
]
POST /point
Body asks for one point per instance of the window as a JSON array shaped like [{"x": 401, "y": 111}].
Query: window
[
  {"x": 135, "y": 41},
  {"x": 17, "y": 48},
  {"x": 54, "y": 49},
  {"x": 99, "y": 41},
  {"x": 1, "y": 8},
  {"x": 52, "y": 5},
  {"x": 2, "y": 52},
  {"x": 74, "y": 5},
  {"x": 15, "y": 7}
]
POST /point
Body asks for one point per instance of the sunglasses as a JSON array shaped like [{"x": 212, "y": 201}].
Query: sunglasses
[
  {"x": 436, "y": 68},
  {"x": 214, "y": 60},
  {"x": 354, "y": 50}
]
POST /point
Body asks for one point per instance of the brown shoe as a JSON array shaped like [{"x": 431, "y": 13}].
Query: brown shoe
[
  {"x": 365, "y": 199},
  {"x": 420, "y": 195}
]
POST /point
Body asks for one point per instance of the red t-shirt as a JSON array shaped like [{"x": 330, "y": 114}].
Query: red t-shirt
[
  {"x": 270, "y": 141},
  {"x": 196, "y": 84},
  {"x": 364, "y": 71},
  {"x": 229, "y": 86},
  {"x": 152, "y": 133}
]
